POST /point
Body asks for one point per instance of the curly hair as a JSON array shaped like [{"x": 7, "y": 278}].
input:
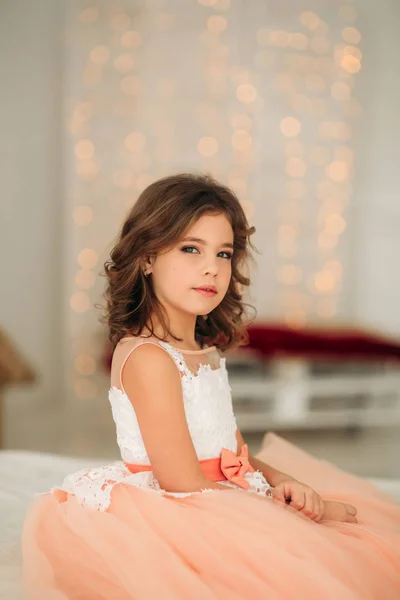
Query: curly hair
[{"x": 158, "y": 220}]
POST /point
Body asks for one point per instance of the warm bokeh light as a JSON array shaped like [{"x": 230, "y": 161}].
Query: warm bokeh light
[
  {"x": 289, "y": 274},
  {"x": 351, "y": 35},
  {"x": 87, "y": 170},
  {"x": 241, "y": 139},
  {"x": 326, "y": 241},
  {"x": 310, "y": 20},
  {"x": 120, "y": 21},
  {"x": 100, "y": 54},
  {"x": 335, "y": 267},
  {"x": 207, "y": 146},
  {"x": 130, "y": 85},
  {"x": 279, "y": 38},
  {"x": 131, "y": 39},
  {"x": 84, "y": 149},
  {"x": 324, "y": 282},
  {"x": 352, "y": 51},
  {"x": 335, "y": 224},
  {"x": 124, "y": 63},
  {"x": 351, "y": 64},
  {"x": 83, "y": 215},
  {"x": 344, "y": 153},
  {"x": 80, "y": 302},
  {"x": 85, "y": 279},
  {"x": 87, "y": 258},
  {"x": 241, "y": 121},
  {"x": 290, "y": 127},
  {"x": 85, "y": 364},
  {"x": 337, "y": 170},
  {"x": 216, "y": 24},
  {"x": 295, "y": 318},
  {"x": 246, "y": 93},
  {"x": 135, "y": 141}
]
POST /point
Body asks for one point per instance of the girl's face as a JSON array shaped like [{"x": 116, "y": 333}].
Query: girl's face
[{"x": 202, "y": 258}]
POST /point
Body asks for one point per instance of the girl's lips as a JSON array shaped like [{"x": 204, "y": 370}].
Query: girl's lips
[{"x": 205, "y": 292}]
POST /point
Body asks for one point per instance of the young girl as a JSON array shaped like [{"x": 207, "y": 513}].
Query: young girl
[{"x": 188, "y": 513}]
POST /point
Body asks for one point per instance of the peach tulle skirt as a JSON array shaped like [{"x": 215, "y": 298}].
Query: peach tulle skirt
[{"x": 216, "y": 545}]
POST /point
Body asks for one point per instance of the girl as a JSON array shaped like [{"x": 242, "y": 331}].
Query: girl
[{"x": 188, "y": 513}]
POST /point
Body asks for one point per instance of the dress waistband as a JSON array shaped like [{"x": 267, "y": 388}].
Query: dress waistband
[{"x": 230, "y": 466}]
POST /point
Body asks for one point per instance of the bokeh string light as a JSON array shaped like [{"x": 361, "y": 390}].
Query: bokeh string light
[{"x": 265, "y": 101}]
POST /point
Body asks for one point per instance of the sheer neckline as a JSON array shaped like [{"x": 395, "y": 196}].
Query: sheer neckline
[
  {"x": 191, "y": 351},
  {"x": 186, "y": 351}
]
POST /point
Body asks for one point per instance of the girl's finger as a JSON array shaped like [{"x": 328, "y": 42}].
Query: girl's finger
[
  {"x": 298, "y": 500},
  {"x": 321, "y": 508},
  {"x": 278, "y": 493},
  {"x": 309, "y": 508}
]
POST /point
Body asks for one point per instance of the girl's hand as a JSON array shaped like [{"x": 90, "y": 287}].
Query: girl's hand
[
  {"x": 304, "y": 499},
  {"x": 301, "y": 497}
]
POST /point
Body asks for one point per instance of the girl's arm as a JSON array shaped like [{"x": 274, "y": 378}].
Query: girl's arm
[
  {"x": 273, "y": 476},
  {"x": 153, "y": 385}
]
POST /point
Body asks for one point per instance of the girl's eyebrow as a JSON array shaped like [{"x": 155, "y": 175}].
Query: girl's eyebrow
[{"x": 200, "y": 241}]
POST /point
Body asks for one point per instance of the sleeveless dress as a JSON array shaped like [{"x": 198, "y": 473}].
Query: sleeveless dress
[{"x": 109, "y": 534}]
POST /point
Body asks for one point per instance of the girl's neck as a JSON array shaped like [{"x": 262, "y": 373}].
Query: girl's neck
[{"x": 185, "y": 344}]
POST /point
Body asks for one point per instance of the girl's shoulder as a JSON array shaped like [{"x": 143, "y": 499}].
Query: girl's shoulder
[{"x": 122, "y": 351}]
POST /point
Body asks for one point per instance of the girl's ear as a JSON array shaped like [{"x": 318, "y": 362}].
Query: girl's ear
[{"x": 146, "y": 265}]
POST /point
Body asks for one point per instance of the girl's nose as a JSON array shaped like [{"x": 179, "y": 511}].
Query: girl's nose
[{"x": 211, "y": 269}]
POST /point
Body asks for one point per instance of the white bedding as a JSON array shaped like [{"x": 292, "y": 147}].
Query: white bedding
[{"x": 22, "y": 474}]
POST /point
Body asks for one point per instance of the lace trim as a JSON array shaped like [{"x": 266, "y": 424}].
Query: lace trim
[
  {"x": 180, "y": 362},
  {"x": 93, "y": 487}
]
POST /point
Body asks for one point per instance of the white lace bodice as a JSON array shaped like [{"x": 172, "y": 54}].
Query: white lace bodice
[
  {"x": 211, "y": 422},
  {"x": 208, "y": 408}
]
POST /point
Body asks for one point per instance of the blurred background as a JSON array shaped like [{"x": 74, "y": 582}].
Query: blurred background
[{"x": 294, "y": 104}]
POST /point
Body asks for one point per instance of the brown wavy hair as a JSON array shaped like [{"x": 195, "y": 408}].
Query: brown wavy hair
[{"x": 157, "y": 221}]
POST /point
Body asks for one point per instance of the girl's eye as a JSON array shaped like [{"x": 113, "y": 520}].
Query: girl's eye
[{"x": 188, "y": 250}]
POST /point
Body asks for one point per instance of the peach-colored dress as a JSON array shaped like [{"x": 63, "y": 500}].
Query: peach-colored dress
[{"x": 110, "y": 534}]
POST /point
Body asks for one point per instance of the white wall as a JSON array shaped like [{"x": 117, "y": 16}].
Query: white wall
[
  {"x": 376, "y": 206},
  {"x": 31, "y": 188}
]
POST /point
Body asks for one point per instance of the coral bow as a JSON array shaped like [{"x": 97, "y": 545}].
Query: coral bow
[{"x": 234, "y": 466}]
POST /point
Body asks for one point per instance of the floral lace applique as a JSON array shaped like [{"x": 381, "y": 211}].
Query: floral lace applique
[{"x": 93, "y": 487}]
